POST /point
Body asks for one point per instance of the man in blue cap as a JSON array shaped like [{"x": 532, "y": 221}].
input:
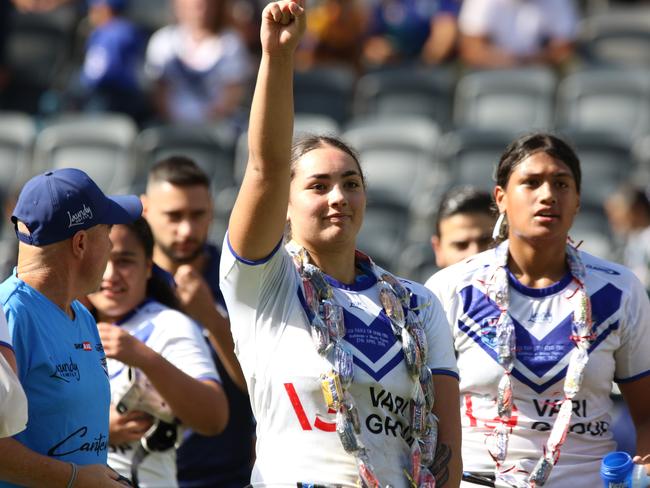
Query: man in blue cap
[{"x": 62, "y": 221}]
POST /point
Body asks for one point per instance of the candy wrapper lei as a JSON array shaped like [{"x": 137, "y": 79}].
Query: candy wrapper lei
[
  {"x": 327, "y": 329},
  {"x": 506, "y": 347}
]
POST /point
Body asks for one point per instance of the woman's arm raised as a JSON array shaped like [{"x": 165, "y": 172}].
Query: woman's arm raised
[{"x": 259, "y": 215}]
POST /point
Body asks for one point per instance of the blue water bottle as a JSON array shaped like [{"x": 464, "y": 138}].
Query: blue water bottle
[{"x": 618, "y": 471}]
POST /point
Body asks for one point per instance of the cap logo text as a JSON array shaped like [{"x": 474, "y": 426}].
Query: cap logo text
[{"x": 80, "y": 217}]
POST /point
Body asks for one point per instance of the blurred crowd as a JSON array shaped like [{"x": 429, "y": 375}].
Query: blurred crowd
[{"x": 185, "y": 63}]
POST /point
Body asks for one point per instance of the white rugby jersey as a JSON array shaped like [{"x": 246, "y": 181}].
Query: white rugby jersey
[
  {"x": 179, "y": 340},
  {"x": 296, "y": 438},
  {"x": 542, "y": 319}
]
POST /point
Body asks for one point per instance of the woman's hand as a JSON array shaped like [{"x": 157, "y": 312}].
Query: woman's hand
[
  {"x": 283, "y": 25},
  {"x": 129, "y": 427},
  {"x": 119, "y": 344}
]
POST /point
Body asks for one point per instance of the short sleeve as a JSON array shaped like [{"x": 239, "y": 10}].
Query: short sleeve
[
  {"x": 257, "y": 294},
  {"x": 561, "y": 20},
  {"x": 184, "y": 346},
  {"x": 13, "y": 403},
  {"x": 441, "y": 358},
  {"x": 475, "y": 17},
  {"x": 632, "y": 358},
  {"x": 159, "y": 52}
]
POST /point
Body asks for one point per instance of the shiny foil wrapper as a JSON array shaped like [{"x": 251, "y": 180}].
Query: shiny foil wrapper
[
  {"x": 426, "y": 480},
  {"x": 575, "y": 372},
  {"x": 421, "y": 340},
  {"x": 400, "y": 290},
  {"x": 315, "y": 275},
  {"x": 504, "y": 397},
  {"x": 506, "y": 342},
  {"x": 560, "y": 428},
  {"x": 418, "y": 411},
  {"x": 429, "y": 440},
  {"x": 426, "y": 381},
  {"x": 498, "y": 443},
  {"x": 332, "y": 390},
  {"x": 347, "y": 435},
  {"x": 311, "y": 296},
  {"x": 351, "y": 412},
  {"x": 416, "y": 460},
  {"x": 411, "y": 351},
  {"x": 367, "y": 473},
  {"x": 332, "y": 315},
  {"x": 391, "y": 305},
  {"x": 320, "y": 335},
  {"x": 541, "y": 472},
  {"x": 344, "y": 364}
]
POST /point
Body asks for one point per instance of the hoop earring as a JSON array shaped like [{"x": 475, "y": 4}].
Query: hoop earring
[{"x": 499, "y": 231}]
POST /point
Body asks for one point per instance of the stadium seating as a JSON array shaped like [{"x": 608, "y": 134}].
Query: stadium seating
[
  {"x": 17, "y": 133},
  {"x": 98, "y": 144},
  {"x": 325, "y": 91},
  {"x": 610, "y": 100},
  {"x": 426, "y": 92},
  {"x": 211, "y": 147},
  {"x": 398, "y": 155},
  {"x": 511, "y": 99}
]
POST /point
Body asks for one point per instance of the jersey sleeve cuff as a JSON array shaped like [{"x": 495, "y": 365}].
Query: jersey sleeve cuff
[
  {"x": 209, "y": 378},
  {"x": 632, "y": 378},
  {"x": 446, "y": 372},
  {"x": 253, "y": 262},
  {"x": 8, "y": 346}
]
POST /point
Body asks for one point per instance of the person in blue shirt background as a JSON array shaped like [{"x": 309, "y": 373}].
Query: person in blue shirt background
[{"x": 111, "y": 72}]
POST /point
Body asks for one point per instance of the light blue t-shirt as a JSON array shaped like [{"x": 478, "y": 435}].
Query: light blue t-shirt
[{"x": 62, "y": 367}]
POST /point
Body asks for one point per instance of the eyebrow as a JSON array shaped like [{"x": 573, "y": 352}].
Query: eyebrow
[
  {"x": 326, "y": 176},
  {"x": 561, "y": 174},
  {"x": 123, "y": 254}
]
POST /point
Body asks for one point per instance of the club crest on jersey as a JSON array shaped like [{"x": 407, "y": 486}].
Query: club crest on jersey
[
  {"x": 80, "y": 217},
  {"x": 488, "y": 333}
]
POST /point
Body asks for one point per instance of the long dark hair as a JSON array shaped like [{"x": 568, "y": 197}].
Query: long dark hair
[{"x": 157, "y": 287}]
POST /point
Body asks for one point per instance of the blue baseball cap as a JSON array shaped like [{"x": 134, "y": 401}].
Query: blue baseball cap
[{"x": 57, "y": 204}]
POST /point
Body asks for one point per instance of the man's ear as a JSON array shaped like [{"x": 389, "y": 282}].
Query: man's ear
[
  {"x": 435, "y": 245},
  {"x": 79, "y": 243}
]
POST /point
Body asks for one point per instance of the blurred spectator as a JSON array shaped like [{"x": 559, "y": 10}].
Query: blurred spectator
[
  {"x": 506, "y": 33},
  {"x": 110, "y": 79},
  {"x": 245, "y": 16},
  {"x": 405, "y": 30},
  {"x": 463, "y": 225},
  {"x": 178, "y": 207},
  {"x": 335, "y": 33},
  {"x": 199, "y": 66},
  {"x": 628, "y": 213},
  {"x": 159, "y": 366},
  {"x": 5, "y": 13}
]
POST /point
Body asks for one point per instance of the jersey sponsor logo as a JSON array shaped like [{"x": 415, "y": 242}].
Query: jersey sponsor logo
[
  {"x": 388, "y": 425},
  {"x": 550, "y": 407},
  {"x": 80, "y": 217},
  {"x": 319, "y": 422},
  {"x": 66, "y": 371},
  {"x": 77, "y": 442},
  {"x": 86, "y": 346},
  {"x": 545, "y": 317}
]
